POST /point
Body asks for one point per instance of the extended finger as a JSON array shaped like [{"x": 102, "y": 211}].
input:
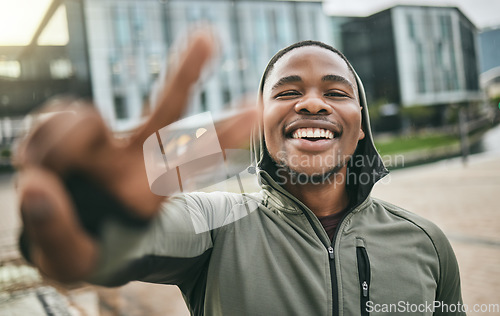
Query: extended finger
[
  {"x": 58, "y": 245},
  {"x": 175, "y": 93},
  {"x": 67, "y": 139}
]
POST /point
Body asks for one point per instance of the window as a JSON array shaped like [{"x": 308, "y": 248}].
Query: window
[
  {"x": 314, "y": 15},
  {"x": 273, "y": 25},
  {"x": 154, "y": 63},
  {"x": 137, "y": 20},
  {"x": 121, "y": 111},
  {"x": 10, "y": 68},
  {"x": 203, "y": 101},
  {"x": 61, "y": 69},
  {"x": 226, "y": 96},
  {"x": 420, "y": 69},
  {"x": 411, "y": 26},
  {"x": 121, "y": 26},
  {"x": 445, "y": 23}
]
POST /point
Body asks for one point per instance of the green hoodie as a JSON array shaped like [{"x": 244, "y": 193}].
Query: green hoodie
[{"x": 266, "y": 253}]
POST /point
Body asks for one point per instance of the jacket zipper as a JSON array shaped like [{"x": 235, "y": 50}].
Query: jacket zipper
[
  {"x": 333, "y": 278},
  {"x": 364, "y": 278},
  {"x": 333, "y": 271},
  {"x": 331, "y": 255}
]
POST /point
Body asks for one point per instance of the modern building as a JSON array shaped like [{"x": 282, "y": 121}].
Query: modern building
[
  {"x": 489, "y": 48},
  {"x": 117, "y": 48},
  {"x": 129, "y": 40},
  {"x": 412, "y": 56},
  {"x": 32, "y": 74}
]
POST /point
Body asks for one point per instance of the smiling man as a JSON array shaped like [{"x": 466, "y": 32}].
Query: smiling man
[
  {"x": 312, "y": 124},
  {"x": 315, "y": 243}
]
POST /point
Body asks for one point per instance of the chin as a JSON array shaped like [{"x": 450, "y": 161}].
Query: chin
[
  {"x": 287, "y": 174},
  {"x": 314, "y": 170}
]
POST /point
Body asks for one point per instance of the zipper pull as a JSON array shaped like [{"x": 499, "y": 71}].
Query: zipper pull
[
  {"x": 365, "y": 289},
  {"x": 330, "y": 252}
]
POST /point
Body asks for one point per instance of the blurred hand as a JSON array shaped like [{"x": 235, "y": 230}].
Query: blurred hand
[{"x": 78, "y": 140}]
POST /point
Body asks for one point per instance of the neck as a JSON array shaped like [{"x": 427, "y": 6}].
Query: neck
[{"x": 323, "y": 199}]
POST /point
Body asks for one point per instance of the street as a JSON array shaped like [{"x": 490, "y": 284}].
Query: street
[{"x": 462, "y": 201}]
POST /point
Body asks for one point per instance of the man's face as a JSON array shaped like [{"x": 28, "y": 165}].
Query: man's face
[{"x": 312, "y": 116}]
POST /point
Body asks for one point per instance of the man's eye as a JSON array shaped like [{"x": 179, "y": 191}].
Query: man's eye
[
  {"x": 290, "y": 93},
  {"x": 336, "y": 94}
]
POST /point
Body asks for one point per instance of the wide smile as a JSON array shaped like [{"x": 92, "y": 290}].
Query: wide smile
[{"x": 312, "y": 135}]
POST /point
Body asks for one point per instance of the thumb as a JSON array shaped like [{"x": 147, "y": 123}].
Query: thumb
[{"x": 58, "y": 245}]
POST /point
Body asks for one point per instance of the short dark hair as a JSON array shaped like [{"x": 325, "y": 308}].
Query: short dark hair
[{"x": 285, "y": 50}]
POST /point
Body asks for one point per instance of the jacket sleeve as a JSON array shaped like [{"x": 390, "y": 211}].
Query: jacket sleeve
[
  {"x": 449, "y": 294},
  {"x": 172, "y": 249}
]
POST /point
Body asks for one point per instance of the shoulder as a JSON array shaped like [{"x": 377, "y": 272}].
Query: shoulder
[
  {"x": 423, "y": 224},
  {"x": 216, "y": 199},
  {"x": 404, "y": 222},
  {"x": 433, "y": 233},
  {"x": 211, "y": 210}
]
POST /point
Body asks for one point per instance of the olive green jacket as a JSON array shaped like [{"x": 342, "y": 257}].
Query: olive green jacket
[{"x": 278, "y": 260}]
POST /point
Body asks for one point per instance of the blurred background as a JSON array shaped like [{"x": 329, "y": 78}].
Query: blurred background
[{"x": 431, "y": 70}]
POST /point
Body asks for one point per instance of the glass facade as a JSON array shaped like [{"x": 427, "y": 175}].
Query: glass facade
[
  {"x": 427, "y": 53},
  {"x": 369, "y": 45},
  {"x": 489, "y": 47},
  {"x": 446, "y": 65},
  {"x": 414, "y": 55},
  {"x": 135, "y": 36},
  {"x": 469, "y": 55},
  {"x": 10, "y": 68}
]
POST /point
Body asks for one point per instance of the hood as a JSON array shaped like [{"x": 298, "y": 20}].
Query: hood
[{"x": 364, "y": 170}]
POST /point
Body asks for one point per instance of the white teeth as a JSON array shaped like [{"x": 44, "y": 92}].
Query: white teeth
[{"x": 312, "y": 133}]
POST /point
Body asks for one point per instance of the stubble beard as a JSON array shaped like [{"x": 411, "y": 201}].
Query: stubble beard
[{"x": 296, "y": 176}]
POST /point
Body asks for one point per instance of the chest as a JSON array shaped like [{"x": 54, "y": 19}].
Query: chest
[{"x": 274, "y": 266}]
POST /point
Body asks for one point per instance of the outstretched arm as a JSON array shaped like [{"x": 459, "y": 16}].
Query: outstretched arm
[{"x": 71, "y": 166}]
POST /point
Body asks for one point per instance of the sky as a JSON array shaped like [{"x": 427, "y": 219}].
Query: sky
[{"x": 20, "y": 18}]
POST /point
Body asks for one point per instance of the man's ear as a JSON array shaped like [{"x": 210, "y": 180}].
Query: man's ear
[
  {"x": 361, "y": 131},
  {"x": 361, "y": 134}
]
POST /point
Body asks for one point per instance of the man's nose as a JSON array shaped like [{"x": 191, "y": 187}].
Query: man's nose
[{"x": 313, "y": 106}]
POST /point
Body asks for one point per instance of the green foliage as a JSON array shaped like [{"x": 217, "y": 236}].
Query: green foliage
[
  {"x": 5, "y": 153},
  {"x": 496, "y": 101},
  {"x": 374, "y": 109},
  {"x": 418, "y": 115},
  {"x": 452, "y": 117},
  {"x": 406, "y": 144}
]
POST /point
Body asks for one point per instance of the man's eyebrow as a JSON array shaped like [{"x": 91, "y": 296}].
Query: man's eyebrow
[
  {"x": 285, "y": 80},
  {"x": 337, "y": 78}
]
